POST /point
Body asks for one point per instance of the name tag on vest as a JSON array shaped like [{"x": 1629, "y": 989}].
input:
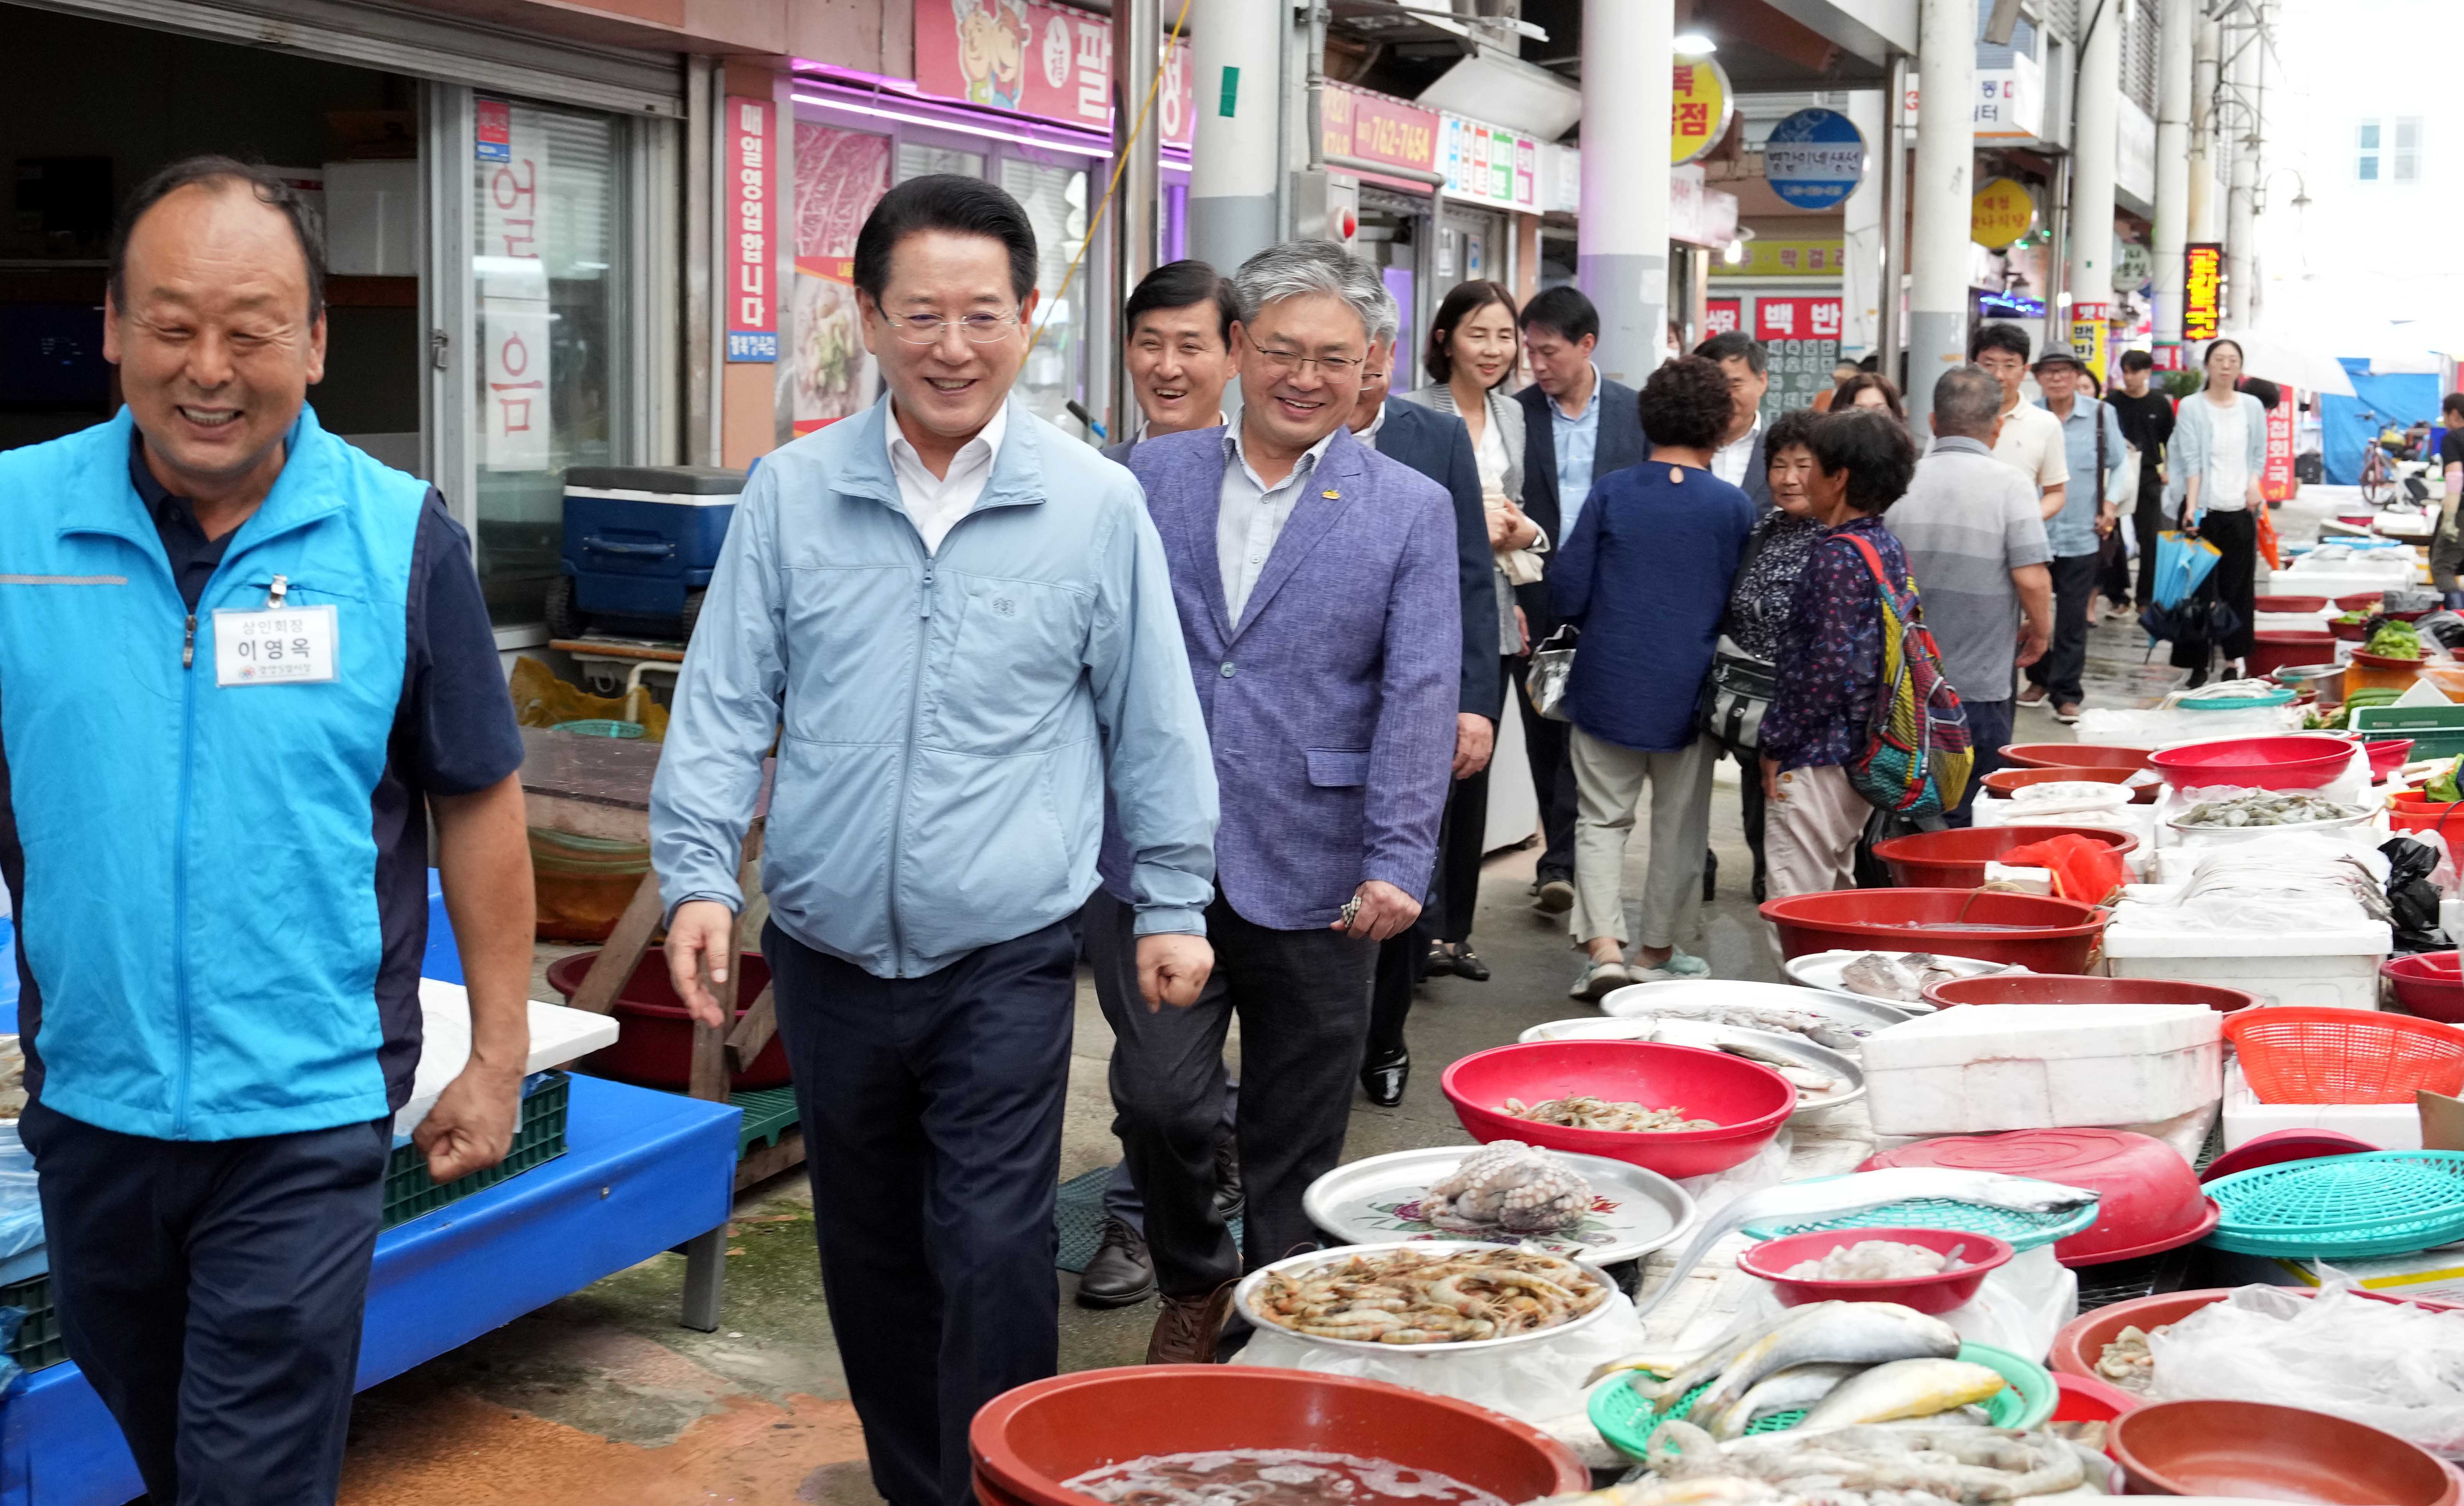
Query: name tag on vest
[{"x": 280, "y": 646}]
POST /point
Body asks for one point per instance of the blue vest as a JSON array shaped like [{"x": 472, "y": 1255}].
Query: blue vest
[{"x": 194, "y": 865}]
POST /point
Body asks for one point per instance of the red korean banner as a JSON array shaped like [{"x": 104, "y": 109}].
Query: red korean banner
[
  {"x": 750, "y": 156},
  {"x": 1041, "y": 59},
  {"x": 2203, "y": 274},
  {"x": 1797, "y": 319},
  {"x": 825, "y": 375},
  {"x": 1722, "y": 316},
  {"x": 1375, "y": 128},
  {"x": 2276, "y": 480}
]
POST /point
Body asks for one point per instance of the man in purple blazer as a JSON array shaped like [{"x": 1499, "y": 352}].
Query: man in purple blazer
[{"x": 1315, "y": 581}]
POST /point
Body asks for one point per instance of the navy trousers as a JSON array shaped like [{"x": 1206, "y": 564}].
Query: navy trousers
[
  {"x": 211, "y": 1291},
  {"x": 931, "y": 1113},
  {"x": 1989, "y": 732}
]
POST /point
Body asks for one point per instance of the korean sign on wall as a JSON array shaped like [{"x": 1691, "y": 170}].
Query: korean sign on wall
[
  {"x": 1376, "y": 127},
  {"x": 749, "y": 234},
  {"x": 2203, "y": 270},
  {"x": 510, "y": 277},
  {"x": 1768, "y": 257},
  {"x": 1039, "y": 60},
  {"x": 827, "y": 374},
  {"x": 1701, "y": 106},
  {"x": 2277, "y": 483},
  {"x": 1801, "y": 338},
  {"x": 1489, "y": 164},
  {"x": 1721, "y": 316}
]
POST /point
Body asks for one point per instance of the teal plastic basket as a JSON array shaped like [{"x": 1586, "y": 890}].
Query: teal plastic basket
[
  {"x": 2343, "y": 1207},
  {"x": 2281, "y": 696},
  {"x": 1627, "y": 1418},
  {"x": 600, "y": 727},
  {"x": 2020, "y": 1231}
]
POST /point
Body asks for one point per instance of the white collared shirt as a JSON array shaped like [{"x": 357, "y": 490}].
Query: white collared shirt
[
  {"x": 1376, "y": 421},
  {"x": 934, "y": 503},
  {"x": 1250, "y": 517},
  {"x": 1138, "y": 435},
  {"x": 1729, "y": 461}
]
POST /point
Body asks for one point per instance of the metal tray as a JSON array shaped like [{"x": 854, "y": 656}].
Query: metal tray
[
  {"x": 1633, "y": 1211},
  {"x": 1859, "y": 1015},
  {"x": 1244, "y": 1299},
  {"x": 1698, "y": 1032},
  {"x": 1822, "y": 969}
]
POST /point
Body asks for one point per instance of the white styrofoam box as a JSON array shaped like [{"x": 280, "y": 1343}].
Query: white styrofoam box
[
  {"x": 557, "y": 1036},
  {"x": 372, "y": 221},
  {"x": 2042, "y": 1066},
  {"x": 2450, "y": 919},
  {"x": 2185, "y": 1134},
  {"x": 2334, "y": 967},
  {"x": 2389, "y": 1126}
]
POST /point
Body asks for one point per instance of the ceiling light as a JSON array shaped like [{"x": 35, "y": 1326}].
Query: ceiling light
[
  {"x": 1693, "y": 44},
  {"x": 1733, "y": 253}
]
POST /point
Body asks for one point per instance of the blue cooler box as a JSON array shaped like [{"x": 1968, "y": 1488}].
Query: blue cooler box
[{"x": 640, "y": 542}]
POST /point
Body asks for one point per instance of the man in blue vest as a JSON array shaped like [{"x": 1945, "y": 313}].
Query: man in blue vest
[{"x": 242, "y": 665}]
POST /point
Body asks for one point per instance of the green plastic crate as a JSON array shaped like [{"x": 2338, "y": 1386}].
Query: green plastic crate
[
  {"x": 768, "y": 1114},
  {"x": 538, "y": 1139},
  {"x": 2436, "y": 731},
  {"x": 38, "y": 1343}
]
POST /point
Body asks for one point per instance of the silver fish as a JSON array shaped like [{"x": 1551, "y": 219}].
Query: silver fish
[
  {"x": 1798, "y": 1385},
  {"x": 1864, "y": 1334},
  {"x": 1832, "y": 1196},
  {"x": 1686, "y": 1371}
]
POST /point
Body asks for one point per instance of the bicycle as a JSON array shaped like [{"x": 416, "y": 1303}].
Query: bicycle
[{"x": 2378, "y": 472}]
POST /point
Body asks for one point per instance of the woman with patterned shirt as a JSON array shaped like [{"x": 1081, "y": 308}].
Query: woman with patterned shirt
[
  {"x": 1831, "y": 654},
  {"x": 1766, "y": 588}
]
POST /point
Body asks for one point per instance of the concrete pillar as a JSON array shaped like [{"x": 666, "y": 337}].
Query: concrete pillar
[
  {"x": 2206, "y": 203},
  {"x": 1236, "y": 55},
  {"x": 1860, "y": 281},
  {"x": 2240, "y": 126},
  {"x": 2094, "y": 123},
  {"x": 1137, "y": 56},
  {"x": 1941, "y": 184},
  {"x": 2176, "y": 22},
  {"x": 1621, "y": 247}
]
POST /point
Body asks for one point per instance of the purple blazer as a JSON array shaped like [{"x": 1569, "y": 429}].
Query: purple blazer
[{"x": 1331, "y": 705}]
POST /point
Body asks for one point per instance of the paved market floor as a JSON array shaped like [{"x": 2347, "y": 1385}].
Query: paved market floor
[{"x": 602, "y": 1398}]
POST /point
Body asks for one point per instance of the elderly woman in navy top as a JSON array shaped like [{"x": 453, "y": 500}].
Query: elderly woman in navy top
[
  {"x": 1645, "y": 574},
  {"x": 1830, "y": 654}
]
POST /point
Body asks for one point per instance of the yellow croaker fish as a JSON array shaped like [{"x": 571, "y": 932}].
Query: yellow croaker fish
[
  {"x": 1843, "y": 1333},
  {"x": 1905, "y": 1388}
]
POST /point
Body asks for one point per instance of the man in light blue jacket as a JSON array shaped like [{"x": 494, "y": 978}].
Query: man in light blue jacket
[{"x": 958, "y": 626}]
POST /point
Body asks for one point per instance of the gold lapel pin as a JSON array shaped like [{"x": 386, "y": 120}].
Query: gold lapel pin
[{"x": 1331, "y": 494}]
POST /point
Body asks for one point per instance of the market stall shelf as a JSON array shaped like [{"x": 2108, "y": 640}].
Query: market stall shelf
[{"x": 643, "y": 1172}]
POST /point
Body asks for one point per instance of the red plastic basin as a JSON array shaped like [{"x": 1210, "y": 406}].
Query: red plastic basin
[
  {"x": 1749, "y": 1101},
  {"x": 2033, "y": 930},
  {"x": 2386, "y": 755},
  {"x": 2148, "y": 1200},
  {"x": 2288, "y": 604},
  {"x": 2427, "y": 984},
  {"x": 1956, "y": 858},
  {"x": 2074, "y": 755},
  {"x": 1939, "y": 1293},
  {"x": 2085, "y": 1399},
  {"x": 2006, "y": 781},
  {"x": 655, "y": 1034},
  {"x": 2255, "y": 762},
  {"x": 2272, "y": 648},
  {"x": 2284, "y": 1454},
  {"x": 2085, "y": 988},
  {"x": 1025, "y": 1442},
  {"x": 2276, "y": 1147},
  {"x": 2082, "y": 1340},
  {"x": 2361, "y": 601}
]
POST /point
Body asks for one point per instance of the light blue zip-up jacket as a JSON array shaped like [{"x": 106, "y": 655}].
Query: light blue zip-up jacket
[
  {"x": 2191, "y": 451},
  {"x": 951, "y": 721}
]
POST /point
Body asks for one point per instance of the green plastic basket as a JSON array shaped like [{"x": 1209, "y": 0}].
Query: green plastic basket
[
  {"x": 1627, "y": 1418},
  {"x": 601, "y": 728},
  {"x": 38, "y": 1343},
  {"x": 539, "y": 1139},
  {"x": 2019, "y": 1230},
  {"x": 2343, "y": 1207}
]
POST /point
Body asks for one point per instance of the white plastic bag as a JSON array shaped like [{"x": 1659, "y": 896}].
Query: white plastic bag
[{"x": 2392, "y": 1367}]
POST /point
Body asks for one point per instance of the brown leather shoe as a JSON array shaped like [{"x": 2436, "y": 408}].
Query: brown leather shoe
[{"x": 1186, "y": 1329}]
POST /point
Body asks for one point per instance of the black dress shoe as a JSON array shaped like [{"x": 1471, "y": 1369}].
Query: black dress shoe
[
  {"x": 1468, "y": 965},
  {"x": 1122, "y": 1274},
  {"x": 1384, "y": 1078},
  {"x": 1230, "y": 1197}
]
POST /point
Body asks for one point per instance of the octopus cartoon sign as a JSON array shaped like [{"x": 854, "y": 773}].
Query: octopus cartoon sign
[{"x": 1039, "y": 60}]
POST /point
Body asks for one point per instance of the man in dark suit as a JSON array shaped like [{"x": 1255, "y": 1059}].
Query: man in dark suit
[
  {"x": 1439, "y": 447},
  {"x": 1738, "y": 461},
  {"x": 1580, "y": 426}
]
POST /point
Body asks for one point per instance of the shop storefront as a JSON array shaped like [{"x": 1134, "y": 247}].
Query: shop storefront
[
  {"x": 500, "y": 208},
  {"x": 1396, "y": 224},
  {"x": 1493, "y": 197},
  {"x": 1019, "y": 94}
]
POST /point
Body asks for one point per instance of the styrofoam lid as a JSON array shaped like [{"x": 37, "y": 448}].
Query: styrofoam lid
[{"x": 2043, "y": 1031}]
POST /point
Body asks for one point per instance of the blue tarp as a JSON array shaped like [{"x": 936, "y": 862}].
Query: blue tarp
[{"x": 2397, "y": 400}]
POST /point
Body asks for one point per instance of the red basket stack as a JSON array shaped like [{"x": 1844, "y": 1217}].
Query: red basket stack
[{"x": 2296, "y": 1054}]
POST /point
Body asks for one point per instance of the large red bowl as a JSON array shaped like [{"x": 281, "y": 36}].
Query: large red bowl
[
  {"x": 654, "y": 1039},
  {"x": 2287, "y": 762},
  {"x": 2288, "y": 604},
  {"x": 2011, "y": 780},
  {"x": 1978, "y": 1256},
  {"x": 2148, "y": 1198},
  {"x": 1749, "y": 1101},
  {"x": 2033, "y": 930},
  {"x": 2255, "y": 1450},
  {"x": 2427, "y": 984},
  {"x": 2272, "y": 648},
  {"x": 1026, "y": 1442},
  {"x": 1955, "y": 858},
  {"x": 2081, "y": 1341},
  {"x": 2084, "y": 989},
  {"x": 2074, "y": 755}
]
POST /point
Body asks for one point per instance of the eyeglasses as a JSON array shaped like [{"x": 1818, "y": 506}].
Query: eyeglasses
[
  {"x": 1284, "y": 363},
  {"x": 925, "y": 329}
]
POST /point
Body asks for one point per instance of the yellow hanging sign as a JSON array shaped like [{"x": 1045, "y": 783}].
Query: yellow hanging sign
[
  {"x": 1699, "y": 110},
  {"x": 2001, "y": 212}
]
